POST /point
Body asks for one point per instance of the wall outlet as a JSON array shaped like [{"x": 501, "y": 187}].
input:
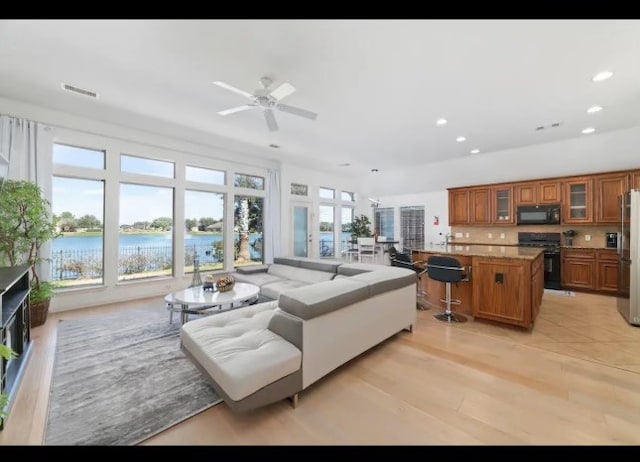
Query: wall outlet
[
  {"x": 458, "y": 234},
  {"x": 501, "y": 235},
  {"x": 466, "y": 235},
  {"x": 587, "y": 237},
  {"x": 490, "y": 236}
]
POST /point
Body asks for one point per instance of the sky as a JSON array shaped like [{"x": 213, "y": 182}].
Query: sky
[{"x": 137, "y": 202}]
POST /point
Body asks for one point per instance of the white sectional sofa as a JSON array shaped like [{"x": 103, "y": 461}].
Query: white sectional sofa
[{"x": 263, "y": 353}]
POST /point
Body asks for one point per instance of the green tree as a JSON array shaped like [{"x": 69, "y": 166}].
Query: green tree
[
  {"x": 89, "y": 222},
  {"x": 141, "y": 225},
  {"x": 162, "y": 223},
  {"x": 189, "y": 223},
  {"x": 67, "y": 222},
  {"x": 204, "y": 222},
  {"x": 247, "y": 220}
]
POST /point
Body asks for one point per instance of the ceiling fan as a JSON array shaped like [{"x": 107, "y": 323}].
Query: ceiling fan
[{"x": 266, "y": 99}]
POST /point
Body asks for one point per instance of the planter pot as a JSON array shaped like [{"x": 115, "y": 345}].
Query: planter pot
[{"x": 39, "y": 313}]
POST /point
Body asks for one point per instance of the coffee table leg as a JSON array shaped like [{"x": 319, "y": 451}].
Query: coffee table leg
[{"x": 184, "y": 315}]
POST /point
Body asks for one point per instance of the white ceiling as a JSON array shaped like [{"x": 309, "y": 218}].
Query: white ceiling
[{"x": 377, "y": 85}]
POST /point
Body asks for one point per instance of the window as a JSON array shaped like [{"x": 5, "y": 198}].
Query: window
[
  {"x": 142, "y": 166},
  {"x": 146, "y": 238},
  {"x": 204, "y": 175},
  {"x": 248, "y": 230},
  {"x": 204, "y": 230},
  {"x": 248, "y": 181},
  {"x": 347, "y": 196},
  {"x": 345, "y": 236},
  {"x": 78, "y": 211},
  {"x": 299, "y": 189},
  {"x": 384, "y": 222},
  {"x": 77, "y": 157},
  {"x": 412, "y": 227},
  {"x": 326, "y": 193},
  {"x": 326, "y": 230}
]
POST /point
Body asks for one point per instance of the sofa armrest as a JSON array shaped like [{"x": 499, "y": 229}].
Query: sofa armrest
[{"x": 252, "y": 269}]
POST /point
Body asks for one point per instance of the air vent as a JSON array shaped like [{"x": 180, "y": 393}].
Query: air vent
[
  {"x": 274, "y": 146},
  {"x": 541, "y": 127},
  {"x": 79, "y": 91}
]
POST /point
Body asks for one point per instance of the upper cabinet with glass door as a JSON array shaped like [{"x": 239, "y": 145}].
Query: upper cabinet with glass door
[
  {"x": 502, "y": 205},
  {"x": 578, "y": 201}
]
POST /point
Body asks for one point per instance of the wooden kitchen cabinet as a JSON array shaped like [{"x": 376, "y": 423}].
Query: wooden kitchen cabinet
[
  {"x": 526, "y": 194},
  {"x": 549, "y": 192},
  {"x": 479, "y": 207},
  {"x": 608, "y": 189},
  {"x": 502, "y": 208},
  {"x": 579, "y": 269},
  {"x": 578, "y": 201},
  {"x": 607, "y": 280},
  {"x": 635, "y": 179},
  {"x": 459, "y": 207}
]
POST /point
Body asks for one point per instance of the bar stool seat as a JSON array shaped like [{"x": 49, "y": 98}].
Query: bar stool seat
[{"x": 450, "y": 271}]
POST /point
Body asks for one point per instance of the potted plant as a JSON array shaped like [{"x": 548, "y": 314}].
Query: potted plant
[
  {"x": 6, "y": 353},
  {"x": 360, "y": 227},
  {"x": 25, "y": 225}
]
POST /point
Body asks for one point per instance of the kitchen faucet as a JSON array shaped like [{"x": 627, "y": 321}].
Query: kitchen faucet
[{"x": 447, "y": 238}]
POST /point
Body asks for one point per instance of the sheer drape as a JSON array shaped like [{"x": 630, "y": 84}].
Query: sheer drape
[{"x": 272, "y": 219}]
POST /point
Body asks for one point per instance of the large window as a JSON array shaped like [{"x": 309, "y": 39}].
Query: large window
[
  {"x": 204, "y": 175},
  {"x": 345, "y": 236},
  {"x": 146, "y": 237},
  {"x": 326, "y": 193},
  {"x": 203, "y": 230},
  {"x": 77, "y": 157},
  {"x": 384, "y": 222},
  {"x": 248, "y": 230},
  {"x": 78, "y": 211},
  {"x": 412, "y": 227},
  {"x": 142, "y": 166},
  {"x": 248, "y": 181},
  {"x": 327, "y": 221}
]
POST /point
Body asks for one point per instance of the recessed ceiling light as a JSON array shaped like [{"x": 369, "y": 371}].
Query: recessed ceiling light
[
  {"x": 588, "y": 130},
  {"x": 274, "y": 146},
  {"x": 594, "y": 109},
  {"x": 604, "y": 75},
  {"x": 460, "y": 139},
  {"x": 475, "y": 151},
  {"x": 441, "y": 121}
]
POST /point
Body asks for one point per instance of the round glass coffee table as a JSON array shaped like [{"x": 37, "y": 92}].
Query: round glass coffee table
[{"x": 196, "y": 300}]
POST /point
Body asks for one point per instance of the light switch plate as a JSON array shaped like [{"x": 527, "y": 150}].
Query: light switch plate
[
  {"x": 490, "y": 236},
  {"x": 587, "y": 237},
  {"x": 458, "y": 234},
  {"x": 501, "y": 235},
  {"x": 467, "y": 235}
]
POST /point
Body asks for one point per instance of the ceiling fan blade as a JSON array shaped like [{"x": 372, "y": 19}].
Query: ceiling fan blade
[
  {"x": 283, "y": 91},
  {"x": 236, "y": 109},
  {"x": 297, "y": 111},
  {"x": 226, "y": 86},
  {"x": 271, "y": 120}
]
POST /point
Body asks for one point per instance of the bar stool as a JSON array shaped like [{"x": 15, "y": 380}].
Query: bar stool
[
  {"x": 405, "y": 260},
  {"x": 450, "y": 271}
]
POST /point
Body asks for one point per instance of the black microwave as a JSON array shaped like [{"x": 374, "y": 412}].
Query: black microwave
[{"x": 538, "y": 215}]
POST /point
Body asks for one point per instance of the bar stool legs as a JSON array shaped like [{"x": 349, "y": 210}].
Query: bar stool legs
[{"x": 448, "y": 315}]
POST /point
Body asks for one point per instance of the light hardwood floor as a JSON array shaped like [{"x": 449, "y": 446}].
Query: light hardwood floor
[{"x": 574, "y": 379}]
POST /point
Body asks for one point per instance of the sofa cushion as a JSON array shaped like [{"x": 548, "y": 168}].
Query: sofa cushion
[
  {"x": 238, "y": 350},
  {"x": 351, "y": 269},
  {"x": 386, "y": 279},
  {"x": 250, "y": 269},
  {"x": 330, "y": 266},
  {"x": 323, "y": 297},
  {"x": 258, "y": 279},
  {"x": 299, "y": 274},
  {"x": 274, "y": 289},
  {"x": 291, "y": 261}
]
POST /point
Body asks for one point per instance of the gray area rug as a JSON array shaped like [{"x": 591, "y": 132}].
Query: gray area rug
[{"x": 121, "y": 378}]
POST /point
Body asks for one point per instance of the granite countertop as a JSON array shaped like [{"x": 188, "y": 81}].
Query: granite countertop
[
  {"x": 581, "y": 247},
  {"x": 483, "y": 250}
]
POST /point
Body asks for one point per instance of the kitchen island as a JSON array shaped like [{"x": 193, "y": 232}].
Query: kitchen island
[{"x": 505, "y": 283}]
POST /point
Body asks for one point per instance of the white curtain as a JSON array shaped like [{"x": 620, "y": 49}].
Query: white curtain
[
  {"x": 28, "y": 145},
  {"x": 272, "y": 219}
]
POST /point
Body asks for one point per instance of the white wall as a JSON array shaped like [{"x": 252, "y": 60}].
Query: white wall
[
  {"x": 315, "y": 179},
  {"x": 599, "y": 152},
  {"x": 435, "y": 205}
]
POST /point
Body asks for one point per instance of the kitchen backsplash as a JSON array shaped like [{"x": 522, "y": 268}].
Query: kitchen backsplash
[{"x": 480, "y": 235}]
